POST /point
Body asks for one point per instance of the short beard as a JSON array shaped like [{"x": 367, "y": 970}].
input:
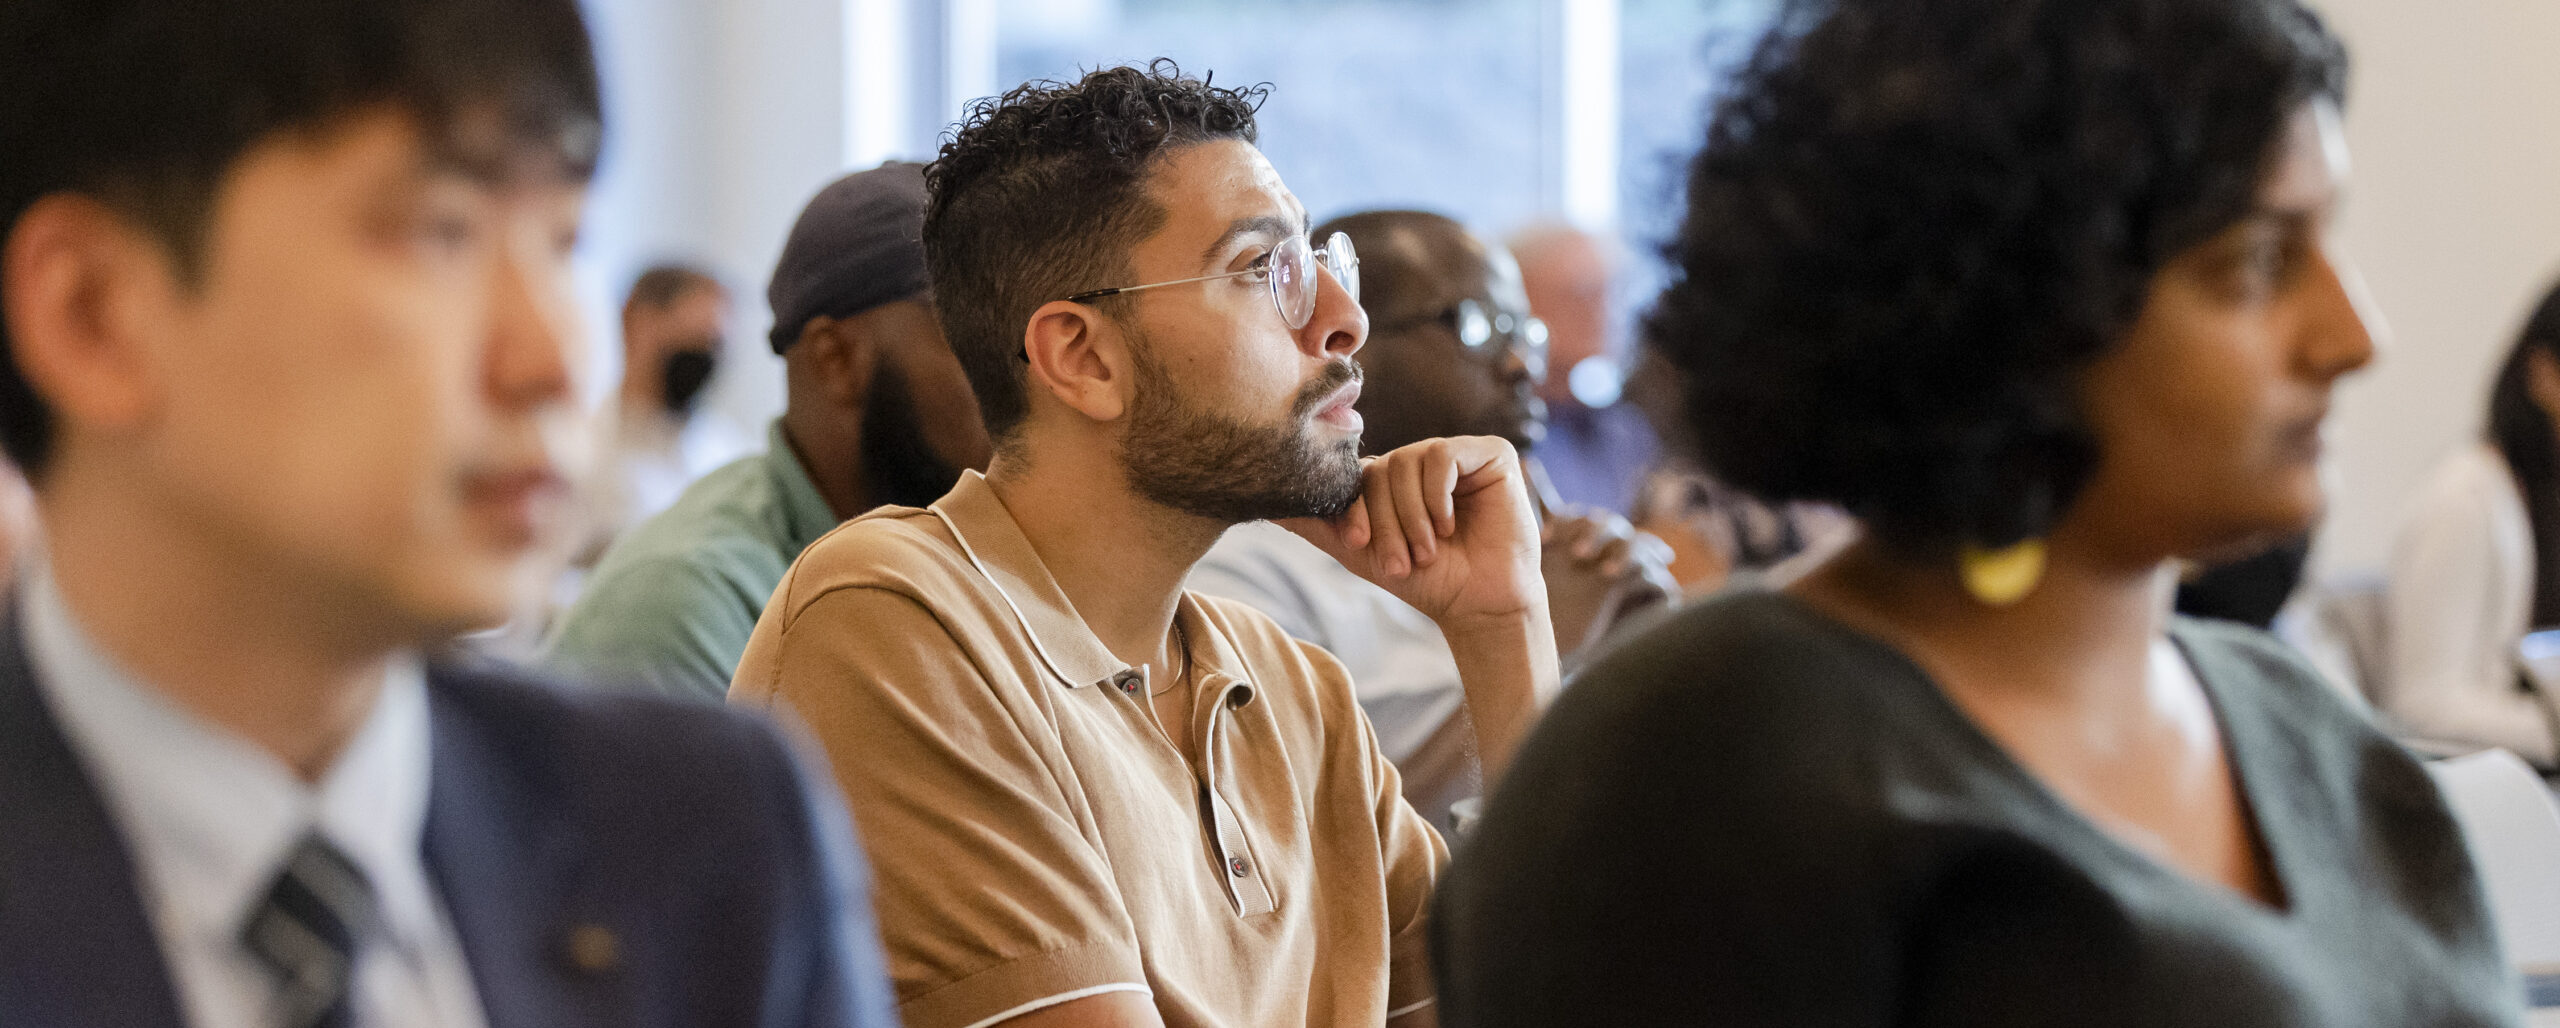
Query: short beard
[
  {"x": 1210, "y": 465},
  {"x": 899, "y": 468}
]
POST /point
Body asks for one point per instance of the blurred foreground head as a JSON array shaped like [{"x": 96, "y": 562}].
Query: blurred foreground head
[
  {"x": 288, "y": 287},
  {"x": 1973, "y": 269}
]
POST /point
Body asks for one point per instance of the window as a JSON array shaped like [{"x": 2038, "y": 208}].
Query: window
[{"x": 1375, "y": 103}]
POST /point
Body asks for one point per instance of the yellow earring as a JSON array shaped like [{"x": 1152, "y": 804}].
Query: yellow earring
[{"x": 2003, "y": 576}]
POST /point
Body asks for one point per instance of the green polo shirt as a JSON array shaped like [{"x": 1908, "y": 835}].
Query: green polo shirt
[{"x": 672, "y": 602}]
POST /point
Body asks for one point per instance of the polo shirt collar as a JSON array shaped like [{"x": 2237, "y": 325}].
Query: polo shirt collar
[
  {"x": 1222, "y": 668},
  {"x": 995, "y": 545},
  {"x": 805, "y": 514}
]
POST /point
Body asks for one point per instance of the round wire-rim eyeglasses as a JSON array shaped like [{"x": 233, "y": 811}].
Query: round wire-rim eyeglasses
[{"x": 1290, "y": 269}]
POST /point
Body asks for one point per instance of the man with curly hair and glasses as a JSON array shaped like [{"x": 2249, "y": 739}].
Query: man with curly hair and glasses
[{"x": 1094, "y": 798}]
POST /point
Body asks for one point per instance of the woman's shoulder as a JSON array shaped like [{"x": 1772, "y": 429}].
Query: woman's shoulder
[
  {"x": 2279, "y": 711},
  {"x": 2252, "y": 668},
  {"x": 1749, "y": 679},
  {"x": 1748, "y": 644}
]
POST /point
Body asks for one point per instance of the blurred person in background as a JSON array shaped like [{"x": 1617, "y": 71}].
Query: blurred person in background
[
  {"x": 1452, "y": 351},
  {"x": 878, "y": 414},
  {"x": 2477, "y": 565},
  {"x": 288, "y": 358},
  {"x": 1596, "y": 449},
  {"x": 17, "y": 519},
  {"x": 1720, "y": 537},
  {"x": 674, "y": 326},
  {"x": 1094, "y": 798},
  {"x": 2046, "y": 294}
]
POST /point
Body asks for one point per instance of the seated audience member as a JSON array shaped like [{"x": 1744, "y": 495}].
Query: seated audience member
[
  {"x": 1720, "y": 537},
  {"x": 878, "y": 413},
  {"x": 284, "y": 284},
  {"x": 1452, "y": 351},
  {"x": 1096, "y": 799},
  {"x": 1596, "y": 448},
  {"x": 673, "y": 327},
  {"x": 2477, "y": 565},
  {"x": 2047, "y": 294}
]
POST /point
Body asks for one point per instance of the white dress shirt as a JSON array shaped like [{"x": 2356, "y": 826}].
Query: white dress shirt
[
  {"x": 210, "y": 819},
  {"x": 2460, "y": 598}
]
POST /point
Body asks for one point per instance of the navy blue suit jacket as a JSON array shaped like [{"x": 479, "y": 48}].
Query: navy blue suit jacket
[{"x": 606, "y": 861}]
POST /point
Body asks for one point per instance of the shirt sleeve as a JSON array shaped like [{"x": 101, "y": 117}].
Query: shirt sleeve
[
  {"x": 666, "y": 627},
  {"x": 2452, "y": 624},
  {"x": 992, "y": 902}
]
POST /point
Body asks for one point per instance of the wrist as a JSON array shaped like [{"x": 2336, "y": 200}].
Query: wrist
[{"x": 1486, "y": 628}]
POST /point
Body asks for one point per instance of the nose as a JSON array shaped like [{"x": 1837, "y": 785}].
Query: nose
[
  {"x": 1516, "y": 366},
  {"x": 1338, "y": 328},
  {"x": 2345, "y": 329},
  {"x": 532, "y": 327}
]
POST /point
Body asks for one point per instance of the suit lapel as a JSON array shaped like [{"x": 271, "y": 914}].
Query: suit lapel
[
  {"x": 497, "y": 852},
  {"x": 75, "y": 944}
]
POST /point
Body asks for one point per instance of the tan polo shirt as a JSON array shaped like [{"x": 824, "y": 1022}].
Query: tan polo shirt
[{"x": 1037, "y": 839}]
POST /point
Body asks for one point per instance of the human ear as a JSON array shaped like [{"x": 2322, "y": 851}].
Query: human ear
[
  {"x": 85, "y": 289},
  {"x": 843, "y": 356},
  {"x": 1080, "y": 358}
]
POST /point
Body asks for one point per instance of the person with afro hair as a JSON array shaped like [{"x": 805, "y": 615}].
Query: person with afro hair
[{"x": 2047, "y": 295}]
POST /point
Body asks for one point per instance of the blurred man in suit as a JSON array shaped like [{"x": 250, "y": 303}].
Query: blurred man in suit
[{"x": 287, "y": 346}]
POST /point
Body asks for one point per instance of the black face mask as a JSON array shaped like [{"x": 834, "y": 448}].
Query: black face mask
[
  {"x": 682, "y": 378},
  {"x": 897, "y": 466}
]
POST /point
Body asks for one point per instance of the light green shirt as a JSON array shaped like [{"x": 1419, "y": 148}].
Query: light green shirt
[{"x": 672, "y": 602}]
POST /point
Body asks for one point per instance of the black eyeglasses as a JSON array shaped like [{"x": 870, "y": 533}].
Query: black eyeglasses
[
  {"x": 1290, "y": 268},
  {"x": 1479, "y": 331}
]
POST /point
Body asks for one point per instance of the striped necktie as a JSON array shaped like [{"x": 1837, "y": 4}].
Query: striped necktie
[{"x": 308, "y": 930}]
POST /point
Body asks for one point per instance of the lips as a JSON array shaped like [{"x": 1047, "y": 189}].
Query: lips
[
  {"x": 2302, "y": 438},
  {"x": 515, "y": 503},
  {"x": 1341, "y": 400}
]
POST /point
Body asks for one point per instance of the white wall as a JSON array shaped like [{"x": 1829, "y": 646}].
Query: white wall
[
  {"x": 722, "y": 118},
  {"x": 2454, "y": 213}
]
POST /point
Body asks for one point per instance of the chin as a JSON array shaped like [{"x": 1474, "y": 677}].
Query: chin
[
  {"x": 473, "y": 594},
  {"x": 2281, "y": 517}
]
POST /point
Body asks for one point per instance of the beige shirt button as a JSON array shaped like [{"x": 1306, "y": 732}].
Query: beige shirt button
[{"x": 1237, "y": 865}]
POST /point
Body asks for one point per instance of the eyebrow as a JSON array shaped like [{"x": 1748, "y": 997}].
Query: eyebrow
[{"x": 1241, "y": 227}]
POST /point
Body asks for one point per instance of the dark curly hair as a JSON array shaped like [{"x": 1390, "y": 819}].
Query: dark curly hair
[
  {"x": 1915, "y": 223},
  {"x": 1039, "y": 194}
]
